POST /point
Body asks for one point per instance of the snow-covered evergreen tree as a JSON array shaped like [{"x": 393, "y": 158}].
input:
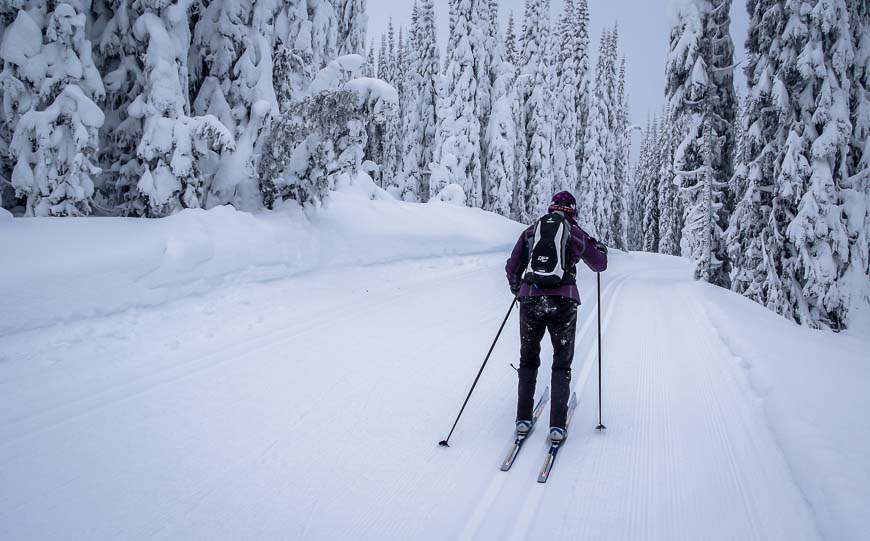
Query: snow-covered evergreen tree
[
  {"x": 620, "y": 178},
  {"x": 795, "y": 222},
  {"x": 700, "y": 93},
  {"x": 175, "y": 149},
  {"x": 352, "y": 24},
  {"x": 536, "y": 116},
  {"x": 305, "y": 40},
  {"x": 856, "y": 190},
  {"x": 595, "y": 179},
  {"x": 383, "y": 59},
  {"x": 457, "y": 158},
  {"x": 565, "y": 103},
  {"x": 219, "y": 39},
  {"x": 648, "y": 172},
  {"x": 501, "y": 140},
  {"x": 20, "y": 79},
  {"x": 670, "y": 215},
  {"x": 372, "y": 61},
  {"x": 118, "y": 55},
  {"x": 420, "y": 119},
  {"x": 511, "y": 51},
  {"x": 322, "y": 138},
  {"x": 638, "y": 193},
  {"x": 582, "y": 95},
  {"x": 55, "y": 145},
  {"x": 818, "y": 230}
]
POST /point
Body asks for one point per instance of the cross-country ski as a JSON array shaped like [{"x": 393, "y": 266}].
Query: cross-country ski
[
  {"x": 521, "y": 437},
  {"x": 556, "y": 445},
  {"x": 368, "y": 270}
]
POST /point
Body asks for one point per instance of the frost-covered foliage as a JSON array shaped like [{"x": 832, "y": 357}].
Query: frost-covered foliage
[
  {"x": 420, "y": 120},
  {"x": 700, "y": 93},
  {"x": 321, "y": 138}
]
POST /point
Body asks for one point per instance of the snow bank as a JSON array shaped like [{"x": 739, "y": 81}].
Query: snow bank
[
  {"x": 813, "y": 386},
  {"x": 62, "y": 269}
]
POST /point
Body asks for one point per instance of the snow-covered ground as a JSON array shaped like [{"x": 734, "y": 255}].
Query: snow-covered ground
[{"x": 218, "y": 375}]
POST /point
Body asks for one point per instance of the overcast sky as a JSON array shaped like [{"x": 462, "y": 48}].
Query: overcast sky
[{"x": 643, "y": 31}]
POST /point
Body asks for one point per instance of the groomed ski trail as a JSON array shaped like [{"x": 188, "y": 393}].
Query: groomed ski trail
[
  {"x": 688, "y": 453},
  {"x": 312, "y": 410}
]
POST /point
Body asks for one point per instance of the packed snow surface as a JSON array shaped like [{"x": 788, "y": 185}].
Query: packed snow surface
[{"x": 220, "y": 375}]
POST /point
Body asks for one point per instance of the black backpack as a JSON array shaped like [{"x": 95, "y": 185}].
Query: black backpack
[{"x": 548, "y": 252}]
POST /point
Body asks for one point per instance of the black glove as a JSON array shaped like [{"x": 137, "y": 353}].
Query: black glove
[
  {"x": 601, "y": 246},
  {"x": 515, "y": 288}
]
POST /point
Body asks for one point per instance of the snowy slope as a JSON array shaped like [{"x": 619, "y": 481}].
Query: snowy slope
[
  {"x": 308, "y": 406},
  {"x": 65, "y": 269}
]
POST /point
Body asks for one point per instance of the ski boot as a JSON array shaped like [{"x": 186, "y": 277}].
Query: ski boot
[
  {"x": 557, "y": 435},
  {"x": 523, "y": 428}
]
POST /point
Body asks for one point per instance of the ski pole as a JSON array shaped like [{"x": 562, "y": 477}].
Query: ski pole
[
  {"x": 600, "y": 424},
  {"x": 443, "y": 443}
]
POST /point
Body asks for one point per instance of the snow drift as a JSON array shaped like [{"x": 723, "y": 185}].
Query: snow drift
[{"x": 85, "y": 267}]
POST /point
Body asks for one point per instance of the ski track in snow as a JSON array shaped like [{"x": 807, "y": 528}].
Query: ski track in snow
[{"x": 291, "y": 411}]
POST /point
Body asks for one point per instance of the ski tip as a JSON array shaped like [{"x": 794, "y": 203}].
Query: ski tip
[{"x": 443, "y": 443}]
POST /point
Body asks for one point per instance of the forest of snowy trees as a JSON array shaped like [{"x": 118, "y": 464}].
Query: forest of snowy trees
[
  {"x": 768, "y": 194},
  {"x": 142, "y": 108}
]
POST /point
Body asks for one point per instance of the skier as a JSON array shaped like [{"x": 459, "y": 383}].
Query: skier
[{"x": 542, "y": 273}]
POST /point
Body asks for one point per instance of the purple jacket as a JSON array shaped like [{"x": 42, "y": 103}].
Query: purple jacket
[{"x": 582, "y": 246}]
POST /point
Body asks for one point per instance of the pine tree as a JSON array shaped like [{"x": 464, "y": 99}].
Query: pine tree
[
  {"x": 565, "y": 96},
  {"x": 817, "y": 230},
  {"x": 510, "y": 42},
  {"x": 620, "y": 178},
  {"x": 583, "y": 93},
  {"x": 638, "y": 192},
  {"x": 700, "y": 91},
  {"x": 750, "y": 235},
  {"x": 535, "y": 100},
  {"x": 352, "y": 23},
  {"x": 670, "y": 207},
  {"x": 383, "y": 60},
  {"x": 650, "y": 183},
  {"x": 56, "y": 144},
  {"x": 460, "y": 93},
  {"x": 594, "y": 203},
  {"x": 790, "y": 226},
  {"x": 174, "y": 146},
  {"x": 19, "y": 82},
  {"x": 501, "y": 140},
  {"x": 372, "y": 61},
  {"x": 420, "y": 111},
  {"x": 856, "y": 191}
]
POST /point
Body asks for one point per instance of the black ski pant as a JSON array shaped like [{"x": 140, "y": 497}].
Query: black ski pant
[{"x": 557, "y": 315}]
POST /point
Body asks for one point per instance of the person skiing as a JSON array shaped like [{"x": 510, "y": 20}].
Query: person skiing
[{"x": 542, "y": 273}]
